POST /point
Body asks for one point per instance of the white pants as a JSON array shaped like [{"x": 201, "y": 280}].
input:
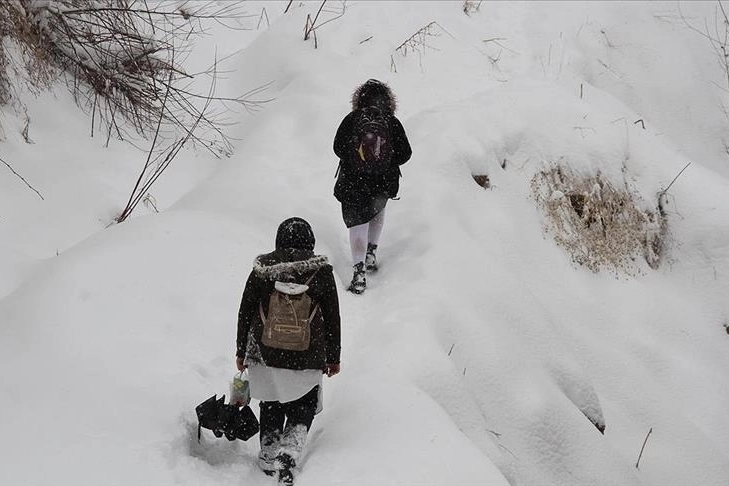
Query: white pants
[{"x": 361, "y": 235}]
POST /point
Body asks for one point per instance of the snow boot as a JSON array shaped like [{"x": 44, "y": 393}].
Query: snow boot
[
  {"x": 359, "y": 282},
  {"x": 370, "y": 258},
  {"x": 267, "y": 456},
  {"x": 268, "y": 466},
  {"x": 285, "y": 464}
]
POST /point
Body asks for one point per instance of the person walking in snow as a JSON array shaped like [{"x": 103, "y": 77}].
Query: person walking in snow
[
  {"x": 371, "y": 145},
  {"x": 288, "y": 337}
]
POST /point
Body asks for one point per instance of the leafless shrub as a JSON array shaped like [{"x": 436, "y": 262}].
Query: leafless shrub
[
  {"x": 602, "y": 227},
  {"x": 418, "y": 43},
  {"x": 159, "y": 159},
  {"x": 717, "y": 34},
  {"x": 31, "y": 65},
  {"x": 120, "y": 58}
]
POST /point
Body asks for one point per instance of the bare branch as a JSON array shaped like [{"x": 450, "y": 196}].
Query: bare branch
[
  {"x": 309, "y": 28},
  {"x": 264, "y": 14},
  {"x": 154, "y": 167},
  {"x": 417, "y": 41},
  {"x": 637, "y": 463},
  {"x": 128, "y": 208},
  {"x": 117, "y": 58},
  {"x": 22, "y": 178},
  {"x": 674, "y": 179},
  {"x": 337, "y": 16}
]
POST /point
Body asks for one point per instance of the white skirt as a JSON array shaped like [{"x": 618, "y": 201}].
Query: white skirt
[{"x": 281, "y": 385}]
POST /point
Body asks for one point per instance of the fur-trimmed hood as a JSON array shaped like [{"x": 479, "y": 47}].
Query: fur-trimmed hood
[
  {"x": 374, "y": 93},
  {"x": 272, "y": 267}
]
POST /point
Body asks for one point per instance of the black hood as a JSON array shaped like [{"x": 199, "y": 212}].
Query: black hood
[
  {"x": 374, "y": 93},
  {"x": 294, "y": 253},
  {"x": 295, "y": 233}
]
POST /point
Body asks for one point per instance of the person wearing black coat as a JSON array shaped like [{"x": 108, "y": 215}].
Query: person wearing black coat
[
  {"x": 363, "y": 195},
  {"x": 287, "y": 382}
]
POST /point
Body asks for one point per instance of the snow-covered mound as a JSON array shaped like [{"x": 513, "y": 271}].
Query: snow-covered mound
[{"x": 480, "y": 353}]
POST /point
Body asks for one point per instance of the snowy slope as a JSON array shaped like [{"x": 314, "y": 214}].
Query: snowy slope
[{"x": 478, "y": 350}]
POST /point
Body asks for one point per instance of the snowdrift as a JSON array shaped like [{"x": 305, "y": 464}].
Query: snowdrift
[{"x": 481, "y": 353}]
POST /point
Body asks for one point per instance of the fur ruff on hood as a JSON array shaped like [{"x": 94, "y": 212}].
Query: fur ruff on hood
[
  {"x": 374, "y": 89},
  {"x": 280, "y": 270}
]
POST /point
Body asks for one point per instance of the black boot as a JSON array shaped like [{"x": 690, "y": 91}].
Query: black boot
[
  {"x": 267, "y": 456},
  {"x": 370, "y": 258},
  {"x": 359, "y": 282},
  {"x": 285, "y": 465}
]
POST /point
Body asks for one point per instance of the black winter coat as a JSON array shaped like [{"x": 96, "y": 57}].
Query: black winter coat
[
  {"x": 357, "y": 188},
  {"x": 290, "y": 265}
]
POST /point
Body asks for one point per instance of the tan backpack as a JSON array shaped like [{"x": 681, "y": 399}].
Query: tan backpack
[{"x": 288, "y": 322}]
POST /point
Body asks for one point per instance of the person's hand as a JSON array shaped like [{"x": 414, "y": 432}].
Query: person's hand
[
  {"x": 331, "y": 369},
  {"x": 240, "y": 363}
]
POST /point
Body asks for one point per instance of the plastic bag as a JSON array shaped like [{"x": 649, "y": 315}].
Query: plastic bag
[{"x": 240, "y": 393}]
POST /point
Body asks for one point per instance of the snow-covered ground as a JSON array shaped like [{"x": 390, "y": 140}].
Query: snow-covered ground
[{"x": 479, "y": 350}]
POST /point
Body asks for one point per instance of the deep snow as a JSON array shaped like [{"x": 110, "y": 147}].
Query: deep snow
[{"x": 478, "y": 350}]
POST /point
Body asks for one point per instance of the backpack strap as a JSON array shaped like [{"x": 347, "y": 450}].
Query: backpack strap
[
  {"x": 308, "y": 280},
  {"x": 313, "y": 312},
  {"x": 316, "y": 307}
]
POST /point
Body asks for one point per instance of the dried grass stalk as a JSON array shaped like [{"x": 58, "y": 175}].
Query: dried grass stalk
[{"x": 601, "y": 226}]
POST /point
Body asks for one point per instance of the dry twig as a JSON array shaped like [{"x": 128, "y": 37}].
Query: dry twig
[
  {"x": 311, "y": 25},
  {"x": 418, "y": 41},
  {"x": 674, "y": 179},
  {"x": 154, "y": 167},
  {"x": 637, "y": 463},
  {"x": 22, "y": 178}
]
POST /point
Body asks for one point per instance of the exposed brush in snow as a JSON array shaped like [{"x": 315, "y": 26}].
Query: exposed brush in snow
[
  {"x": 121, "y": 57},
  {"x": 418, "y": 42},
  {"x": 311, "y": 24},
  {"x": 471, "y": 6},
  {"x": 601, "y": 226},
  {"x": 717, "y": 33}
]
